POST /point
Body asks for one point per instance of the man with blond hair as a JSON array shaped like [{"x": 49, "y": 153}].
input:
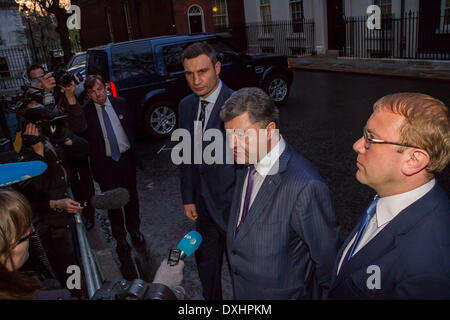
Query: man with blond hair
[{"x": 401, "y": 247}]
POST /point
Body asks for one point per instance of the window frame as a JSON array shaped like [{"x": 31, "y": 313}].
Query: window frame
[{"x": 214, "y": 4}]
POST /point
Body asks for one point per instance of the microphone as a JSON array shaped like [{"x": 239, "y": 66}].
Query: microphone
[
  {"x": 186, "y": 247},
  {"x": 189, "y": 244},
  {"x": 109, "y": 200},
  {"x": 19, "y": 171}
]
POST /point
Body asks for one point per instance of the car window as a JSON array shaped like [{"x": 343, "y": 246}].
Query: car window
[
  {"x": 97, "y": 63},
  {"x": 130, "y": 61},
  {"x": 225, "y": 54},
  {"x": 80, "y": 59},
  {"x": 172, "y": 58}
]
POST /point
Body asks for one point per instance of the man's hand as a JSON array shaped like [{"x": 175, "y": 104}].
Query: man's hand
[
  {"x": 69, "y": 92},
  {"x": 191, "y": 211},
  {"x": 32, "y": 130},
  {"x": 170, "y": 276},
  {"x": 48, "y": 82},
  {"x": 67, "y": 204}
]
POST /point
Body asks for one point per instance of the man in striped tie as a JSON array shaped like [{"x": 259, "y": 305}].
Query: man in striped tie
[{"x": 400, "y": 249}]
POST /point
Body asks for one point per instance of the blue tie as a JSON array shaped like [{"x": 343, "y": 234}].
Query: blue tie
[
  {"x": 362, "y": 227},
  {"x": 114, "y": 145}
]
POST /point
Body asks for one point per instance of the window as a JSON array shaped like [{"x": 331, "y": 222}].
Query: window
[
  {"x": 297, "y": 15},
  {"x": 386, "y": 13},
  {"x": 445, "y": 15},
  {"x": 126, "y": 10},
  {"x": 172, "y": 58},
  {"x": 266, "y": 16},
  {"x": 220, "y": 15},
  {"x": 4, "y": 69},
  {"x": 131, "y": 61},
  {"x": 225, "y": 54},
  {"x": 110, "y": 25}
]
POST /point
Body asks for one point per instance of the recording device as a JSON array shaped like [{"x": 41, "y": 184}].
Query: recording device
[
  {"x": 64, "y": 78},
  {"x": 133, "y": 290},
  {"x": 109, "y": 200},
  {"x": 19, "y": 171},
  {"x": 186, "y": 247}
]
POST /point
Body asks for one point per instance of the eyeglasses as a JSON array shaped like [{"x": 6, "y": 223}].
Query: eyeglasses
[
  {"x": 369, "y": 140},
  {"x": 25, "y": 238}
]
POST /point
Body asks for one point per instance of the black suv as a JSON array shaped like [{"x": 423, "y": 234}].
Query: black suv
[{"x": 149, "y": 74}]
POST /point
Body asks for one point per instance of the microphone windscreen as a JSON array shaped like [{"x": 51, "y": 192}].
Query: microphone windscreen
[
  {"x": 111, "y": 199},
  {"x": 190, "y": 242},
  {"x": 19, "y": 171}
]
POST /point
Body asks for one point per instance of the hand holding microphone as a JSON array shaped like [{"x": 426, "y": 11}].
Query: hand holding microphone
[{"x": 170, "y": 276}]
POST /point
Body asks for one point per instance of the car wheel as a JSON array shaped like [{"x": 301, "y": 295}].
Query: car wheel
[
  {"x": 277, "y": 87},
  {"x": 161, "y": 119}
]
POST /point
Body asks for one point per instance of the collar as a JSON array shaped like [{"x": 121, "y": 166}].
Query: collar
[
  {"x": 264, "y": 166},
  {"x": 107, "y": 103},
  {"x": 389, "y": 207},
  {"x": 212, "y": 98}
]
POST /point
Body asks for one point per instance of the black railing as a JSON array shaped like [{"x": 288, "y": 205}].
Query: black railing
[
  {"x": 409, "y": 36},
  {"x": 15, "y": 60},
  {"x": 289, "y": 38}
]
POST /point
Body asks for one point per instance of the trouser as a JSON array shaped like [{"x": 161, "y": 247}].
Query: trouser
[
  {"x": 56, "y": 235},
  {"x": 123, "y": 174},
  {"x": 209, "y": 256},
  {"x": 83, "y": 184}
]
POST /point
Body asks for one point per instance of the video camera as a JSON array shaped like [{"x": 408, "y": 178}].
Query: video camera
[
  {"x": 38, "y": 107},
  {"x": 64, "y": 78}
]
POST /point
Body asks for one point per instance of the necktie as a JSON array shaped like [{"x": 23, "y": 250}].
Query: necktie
[
  {"x": 114, "y": 145},
  {"x": 248, "y": 194},
  {"x": 362, "y": 227},
  {"x": 201, "y": 117}
]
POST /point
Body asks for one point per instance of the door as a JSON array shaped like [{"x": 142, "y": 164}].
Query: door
[{"x": 336, "y": 25}]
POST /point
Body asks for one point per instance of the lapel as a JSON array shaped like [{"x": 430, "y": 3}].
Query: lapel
[
  {"x": 264, "y": 196},
  {"x": 387, "y": 239},
  {"x": 214, "y": 120}
]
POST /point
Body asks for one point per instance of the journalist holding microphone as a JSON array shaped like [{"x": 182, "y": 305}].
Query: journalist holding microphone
[{"x": 15, "y": 231}]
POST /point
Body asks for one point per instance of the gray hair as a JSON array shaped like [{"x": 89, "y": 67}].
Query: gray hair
[{"x": 260, "y": 107}]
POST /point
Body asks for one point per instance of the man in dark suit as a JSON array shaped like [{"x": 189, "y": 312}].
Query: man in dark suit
[
  {"x": 282, "y": 234},
  {"x": 113, "y": 157},
  {"x": 206, "y": 189},
  {"x": 401, "y": 247}
]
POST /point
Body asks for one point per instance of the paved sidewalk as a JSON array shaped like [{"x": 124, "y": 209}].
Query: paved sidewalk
[{"x": 429, "y": 69}]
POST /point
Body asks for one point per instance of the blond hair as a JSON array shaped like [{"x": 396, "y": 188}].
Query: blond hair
[{"x": 426, "y": 125}]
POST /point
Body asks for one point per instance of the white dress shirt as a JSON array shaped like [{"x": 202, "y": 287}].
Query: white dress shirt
[
  {"x": 263, "y": 168},
  {"x": 212, "y": 98},
  {"x": 387, "y": 209},
  {"x": 119, "y": 132}
]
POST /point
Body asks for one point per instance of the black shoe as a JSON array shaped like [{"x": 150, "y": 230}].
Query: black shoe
[
  {"x": 89, "y": 224},
  {"x": 138, "y": 238}
]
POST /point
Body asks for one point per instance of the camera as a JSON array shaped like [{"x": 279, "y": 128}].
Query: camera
[
  {"x": 133, "y": 290},
  {"x": 64, "y": 78}
]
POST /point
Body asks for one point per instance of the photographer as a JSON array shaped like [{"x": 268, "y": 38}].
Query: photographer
[
  {"x": 61, "y": 84},
  {"x": 48, "y": 193}
]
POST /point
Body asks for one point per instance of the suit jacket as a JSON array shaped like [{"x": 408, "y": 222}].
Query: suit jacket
[
  {"x": 412, "y": 253},
  {"x": 211, "y": 184},
  {"x": 286, "y": 246},
  {"x": 94, "y": 135}
]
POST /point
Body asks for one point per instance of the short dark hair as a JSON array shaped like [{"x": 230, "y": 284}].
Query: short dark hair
[
  {"x": 199, "y": 48},
  {"x": 91, "y": 79},
  {"x": 34, "y": 67},
  {"x": 260, "y": 107}
]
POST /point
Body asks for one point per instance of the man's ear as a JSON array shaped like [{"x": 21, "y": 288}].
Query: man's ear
[
  {"x": 418, "y": 160},
  {"x": 218, "y": 67}
]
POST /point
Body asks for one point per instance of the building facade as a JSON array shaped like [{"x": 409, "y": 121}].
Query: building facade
[
  {"x": 104, "y": 21},
  {"x": 417, "y": 29}
]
